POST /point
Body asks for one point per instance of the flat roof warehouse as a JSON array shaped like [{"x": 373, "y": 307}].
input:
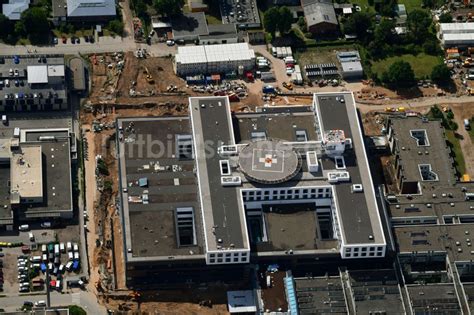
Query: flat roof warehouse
[{"x": 221, "y": 199}]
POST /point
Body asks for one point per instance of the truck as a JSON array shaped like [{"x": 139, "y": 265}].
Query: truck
[
  {"x": 268, "y": 89},
  {"x": 467, "y": 124},
  {"x": 75, "y": 265}
]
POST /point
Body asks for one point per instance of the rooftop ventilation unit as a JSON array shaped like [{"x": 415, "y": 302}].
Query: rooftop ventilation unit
[{"x": 357, "y": 188}]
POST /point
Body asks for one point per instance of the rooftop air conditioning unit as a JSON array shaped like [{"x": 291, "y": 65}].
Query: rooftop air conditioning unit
[{"x": 357, "y": 188}]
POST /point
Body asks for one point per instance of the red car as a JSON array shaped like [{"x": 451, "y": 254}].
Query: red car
[{"x": 25, "y": 249}]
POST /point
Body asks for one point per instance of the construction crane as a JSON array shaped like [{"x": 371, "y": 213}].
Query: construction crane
[{"x": 149, "y": 77}]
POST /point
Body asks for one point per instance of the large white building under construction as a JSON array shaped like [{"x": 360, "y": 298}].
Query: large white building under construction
[{"x": 215, "y": 59}]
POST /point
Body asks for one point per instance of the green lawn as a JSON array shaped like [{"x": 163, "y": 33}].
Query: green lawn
[
  {"x": 422, "y": 64},
  {"x": 456, "y": 148}
]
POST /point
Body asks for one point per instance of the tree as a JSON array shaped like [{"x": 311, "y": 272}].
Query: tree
[
  {"x": 441, "y": 74},
  {"x": 76, "y": 310},
  {"x": 419, "y": 22},
  {"x": 139, "y": 6},
  {"x": 5, "y": 26},
  {"x": 431, "y": 47},
  {"x": 399, "y": 74},
  {"x": 386, "y": 7},
  {"x": 358, "y": 24},
  {"x": 34, "y": 23},
  {"x": 384, "y": 32},
  {"x": 116, "y": 26},
  {"x": 270, "y": 20},
  {"x": 446, "y": 18},
  {"x": 285, "y": 20},
  {"x": 302, "y": 24},
  {"x": 169, "y": 7}
]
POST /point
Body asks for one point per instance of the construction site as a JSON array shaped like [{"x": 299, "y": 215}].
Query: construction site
[{"x": 133, "y": 84}]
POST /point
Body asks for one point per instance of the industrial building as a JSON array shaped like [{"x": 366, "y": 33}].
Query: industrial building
[
  {"x": 431, "y": 213},
  {"x": 215, "y": 59},
  {"x": 222, "y": 189},
  {"x": 351, "y": 67},
  {"x": 35, "y": 167},
  {"x": 456, "y": 34},
  {"x": 33, "y": 82}
]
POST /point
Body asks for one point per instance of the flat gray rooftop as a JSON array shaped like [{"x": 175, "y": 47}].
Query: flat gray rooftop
[
  {"x": 222, "y": 206},
  {"x": 469, "y": 289},
  {"x": 57, "y": 187},
  {"x": 148, "y": 152},
  {"x": 431, "y": 298},
  {"x": 438, "y": 238},
  {"x": 189, "y": 25},
  {"x": 358, "y": 211},
  {"x": 376, "y": 291},
  {"x": 323, "y": 294},
  {"x": 5, "y": 207},
  {"x": 432, "y": 150},
  {"x": 279, "y": 123},
  {"x": 283, "y": 228}
]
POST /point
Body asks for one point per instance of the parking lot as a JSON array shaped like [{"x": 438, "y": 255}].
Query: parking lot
[{"x": 26, "y": 268}]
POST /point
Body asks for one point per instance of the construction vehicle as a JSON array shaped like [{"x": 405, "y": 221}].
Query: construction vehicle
[
  {"x": 289, "y": 86},
  {"x": 134, "y": 296},
  {"x": 149, "y": 77}
]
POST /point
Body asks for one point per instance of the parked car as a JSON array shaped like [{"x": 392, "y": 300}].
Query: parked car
[
  {"x": 40, "y": 303},
  {"x": 46, "y": 224},
  {"x": 24, "y": 227}
]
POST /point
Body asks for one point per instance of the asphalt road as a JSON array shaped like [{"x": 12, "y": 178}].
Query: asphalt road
[
  {"x": 85, "y": 299},
  {"x": 104, "y": 44}
]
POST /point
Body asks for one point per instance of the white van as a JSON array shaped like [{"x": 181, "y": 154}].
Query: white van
[
  {"x": 31, "y": 236},
  {"x": 58, "y": 285},
  {"x": 56, "y": 249},
  {"x": 46, "y": 224},
  {"x": 44, "y": 248},
  {"x": 35, "y": 259},
  {"x": 69, "y": 266},
  {"x": 61, "y": 268},
  {"x": 4, "y": 119},
  {"x": 70, "y": 255},
  {"x": 62, "y": 247},
  {"x": 76, "y": 247},
  {"x": 76, "y": 256},
  {"x": 69, "y": 246},
  {"x": 24, "y": 227},
  {"x": 45, "y": 257}
]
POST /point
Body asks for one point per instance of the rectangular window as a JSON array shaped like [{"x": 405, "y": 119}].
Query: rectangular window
[
  {"x": 219, "y": 260},
  {"x": 228, "y": 260},
  {"x": 219, "y": 255},
  {"x": 212, "y": 261},
  {"x": 236, "y": 259}
]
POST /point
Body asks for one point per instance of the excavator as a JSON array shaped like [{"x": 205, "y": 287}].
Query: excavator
[{"x": 149, "y": 77}]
